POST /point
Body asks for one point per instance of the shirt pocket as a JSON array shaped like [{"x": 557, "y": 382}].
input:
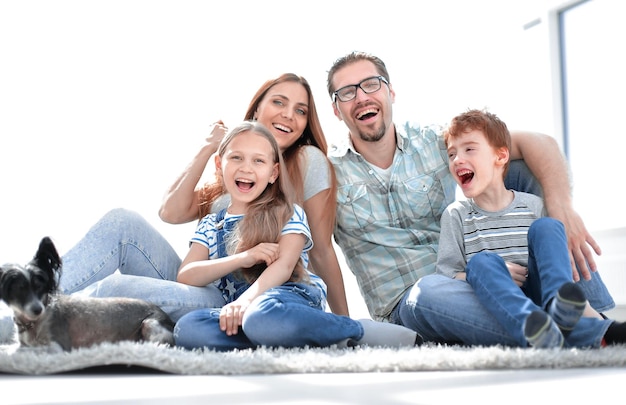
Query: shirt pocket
[
  {"x": 354, "y": 207},
  {"x": 425, "y": 196}
]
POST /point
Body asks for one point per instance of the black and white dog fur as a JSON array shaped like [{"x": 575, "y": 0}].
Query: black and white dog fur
[{"x": 45, "y": 317}]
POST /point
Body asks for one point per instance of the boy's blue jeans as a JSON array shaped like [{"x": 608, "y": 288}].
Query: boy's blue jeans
[
  {"x": 548, "y": 270},
  {"x": 445, "y": 310}
]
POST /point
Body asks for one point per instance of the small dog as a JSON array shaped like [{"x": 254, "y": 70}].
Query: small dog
[{"x": 45, "y": 317}]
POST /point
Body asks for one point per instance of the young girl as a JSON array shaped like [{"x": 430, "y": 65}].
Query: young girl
[
  {"x": 286, "y": 106},
  {"x": 256, "y": 250}
]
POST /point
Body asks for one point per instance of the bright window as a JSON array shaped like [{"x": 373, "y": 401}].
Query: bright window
[{"x": 593, "y": 68}]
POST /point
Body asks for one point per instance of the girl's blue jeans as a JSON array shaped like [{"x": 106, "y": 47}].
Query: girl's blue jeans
[{"x": 290, "y": 315}]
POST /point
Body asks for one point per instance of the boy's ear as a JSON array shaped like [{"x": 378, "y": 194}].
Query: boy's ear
[{"x": 502, "y": 155}]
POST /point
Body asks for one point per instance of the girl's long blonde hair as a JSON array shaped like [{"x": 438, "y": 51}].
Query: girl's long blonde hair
[{"x": 267, "y": 215}]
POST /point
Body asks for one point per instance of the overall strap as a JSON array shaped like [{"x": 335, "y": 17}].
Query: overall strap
[
  {"x": 219, "y": 227},
  {"x": 230, "y": 286}
]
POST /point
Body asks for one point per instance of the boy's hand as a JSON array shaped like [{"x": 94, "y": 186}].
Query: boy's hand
[{"x": 518, "y": 272}]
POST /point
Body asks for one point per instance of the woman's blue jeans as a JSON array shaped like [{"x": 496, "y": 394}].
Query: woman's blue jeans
[
  {"x": 290, "y": 315},
  {"x": 122, "y": 255}
]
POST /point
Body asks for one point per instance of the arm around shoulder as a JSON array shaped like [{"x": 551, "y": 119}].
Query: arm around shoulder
[{"x": 547, "y": 163}]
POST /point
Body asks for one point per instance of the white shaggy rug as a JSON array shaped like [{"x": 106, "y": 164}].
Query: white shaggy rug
[{"x": 310, "y": 360}]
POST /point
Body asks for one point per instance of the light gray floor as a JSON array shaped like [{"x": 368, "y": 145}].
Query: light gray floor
[{"x": 572, "y": 386}]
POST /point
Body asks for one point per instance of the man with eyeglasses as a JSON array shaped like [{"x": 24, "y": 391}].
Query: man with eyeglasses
[{"x": 393, "y": 185}]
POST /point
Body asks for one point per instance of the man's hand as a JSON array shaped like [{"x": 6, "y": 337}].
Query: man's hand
[{"x": 580, "y": 244}]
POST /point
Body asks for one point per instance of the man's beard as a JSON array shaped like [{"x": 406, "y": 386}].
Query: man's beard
[{"x": 375, "y": 135}]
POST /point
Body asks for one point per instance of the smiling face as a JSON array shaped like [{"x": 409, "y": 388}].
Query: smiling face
[
  {"x": 284, "y": 111},
  {"x": 247, "y": 166},
  {"x": 474, "y": 163},
  {"x": 367, "y": 116}
]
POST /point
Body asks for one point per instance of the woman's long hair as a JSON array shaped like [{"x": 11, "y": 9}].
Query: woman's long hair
[
  {"x": 312, "y": 135},
  {"x": 267, "y": 215}
]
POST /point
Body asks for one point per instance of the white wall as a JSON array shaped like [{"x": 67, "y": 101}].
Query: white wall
[{"x": 103, "y": 103}]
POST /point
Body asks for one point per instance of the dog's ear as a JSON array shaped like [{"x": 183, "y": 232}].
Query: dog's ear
[{"x": 47, "y": 256}]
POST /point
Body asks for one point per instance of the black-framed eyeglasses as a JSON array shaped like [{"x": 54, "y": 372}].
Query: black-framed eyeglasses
[{"x": 369, "y": 85}]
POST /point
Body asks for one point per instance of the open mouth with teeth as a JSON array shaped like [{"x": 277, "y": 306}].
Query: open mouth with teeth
[
  {"x": 365, "y": 114},
  {"x": 283, "y": 128},
  {"x": 465, "y": 175},
  {"x": 244, "y": 185}
]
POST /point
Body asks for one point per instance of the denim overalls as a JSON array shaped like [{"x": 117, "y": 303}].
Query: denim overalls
[{"x": 231, "y": 287}]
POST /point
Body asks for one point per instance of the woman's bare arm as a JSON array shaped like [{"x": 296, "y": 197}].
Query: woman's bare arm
[
  {"x": 180, "y": 203},
  {"x": 323, "y": 256}
]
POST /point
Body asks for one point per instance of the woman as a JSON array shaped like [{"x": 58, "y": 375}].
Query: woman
[
  {"x": 123, "y": 255},
  {"x": 286, "y": 107}
]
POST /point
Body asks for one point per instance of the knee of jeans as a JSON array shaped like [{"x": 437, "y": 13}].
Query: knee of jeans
[
  {"x": 123, "y": 216},
  {"x": 482, "y": 261},
  {"x": 544, "y": 224},
  {"x": 261, "y": 311},
  {"x": 264, "y": 322}
]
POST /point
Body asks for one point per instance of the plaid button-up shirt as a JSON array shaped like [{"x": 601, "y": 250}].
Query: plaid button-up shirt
[{"x": 389, "y": 231}]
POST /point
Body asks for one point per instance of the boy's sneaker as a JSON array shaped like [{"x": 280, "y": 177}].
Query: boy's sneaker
[
  {"x": 567, "y": 307},
  {"x": 385, "y": 334},
  {"x": 542, "y": 332}
]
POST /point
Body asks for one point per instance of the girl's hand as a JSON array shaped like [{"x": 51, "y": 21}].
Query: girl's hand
[
  {"x": 518, "y": 273},
  {"x": 263, "y": 252},
  {"x": 231, "y": 316}
]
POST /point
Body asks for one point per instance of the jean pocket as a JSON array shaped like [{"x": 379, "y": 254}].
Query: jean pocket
[{"x": 310, "y": 293}]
